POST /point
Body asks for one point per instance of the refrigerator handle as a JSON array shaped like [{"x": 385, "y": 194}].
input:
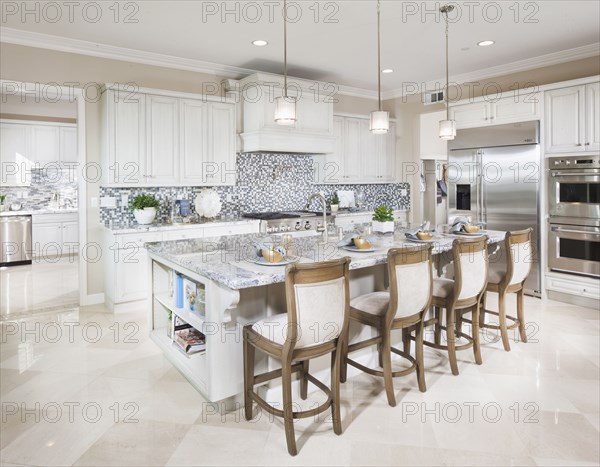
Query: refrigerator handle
[
  {"x": 483, "y": 194},
  {"x": 479, "y": 188}
]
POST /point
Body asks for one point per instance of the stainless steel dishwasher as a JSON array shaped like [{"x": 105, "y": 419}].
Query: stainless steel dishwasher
[{"x": 15, "y": 240}]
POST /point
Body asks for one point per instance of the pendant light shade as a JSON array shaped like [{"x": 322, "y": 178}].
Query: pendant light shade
[
  {"x": 380, "y": 119},
  {"x": 285, "y": 106},
  {"x": 285, "y": 110},
  {"x": 380, "y": 122},
  {"x": 448, "y": 126}
]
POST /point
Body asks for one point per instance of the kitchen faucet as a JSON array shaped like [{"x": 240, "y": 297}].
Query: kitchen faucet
[{"x": 323, "y": 228}]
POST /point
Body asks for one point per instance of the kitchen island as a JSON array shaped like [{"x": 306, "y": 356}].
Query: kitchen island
[{"x": 231, "y": 291}]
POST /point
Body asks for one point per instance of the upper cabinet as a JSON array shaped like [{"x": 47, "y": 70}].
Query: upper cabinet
[
  {"x": 155, "y": 139},
  {"x": 26, "y": 144},
  {"x": 359, "y": 156},
  {"x": 313, "y": 131},
  {"x": 517, "y": 108},
  {"x": 572, "y": 119}
]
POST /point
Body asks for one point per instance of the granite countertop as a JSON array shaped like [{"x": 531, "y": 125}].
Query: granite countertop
[
  {"x": 346, "y": 213},
  {"x": 225, "y": 259},
  {"x": 33, "y": 212},
  {"x": 121, "y": 229}
]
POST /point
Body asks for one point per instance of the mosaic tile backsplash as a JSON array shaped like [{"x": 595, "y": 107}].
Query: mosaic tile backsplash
[
  {"x": 265, "y": 182},
  {"x": 44, "y": 182}
]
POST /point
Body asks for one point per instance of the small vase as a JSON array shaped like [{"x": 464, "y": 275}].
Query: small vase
[
  {"x": 144, "y": 216},
  {"x": 383, "y": 227},
  {"x": 335, "y": 207}
]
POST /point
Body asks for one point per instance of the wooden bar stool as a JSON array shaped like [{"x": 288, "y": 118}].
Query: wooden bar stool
[
  {"x": 509, "y": 277},
  {"x": 403, "y": 307},
  {"x": 316, "y": 323},
  {"x": 459, "y": 296}
]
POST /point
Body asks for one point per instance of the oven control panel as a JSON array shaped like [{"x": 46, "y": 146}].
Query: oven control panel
[{"x": 575, "y": 162}]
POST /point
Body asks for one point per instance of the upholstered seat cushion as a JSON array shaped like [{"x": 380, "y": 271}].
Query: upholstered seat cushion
[
  {"x": 496, "y": 272},
  {"x": 442, "y": 288},
  {"x": 375, "y": 303},
  {"x": 274, "y": 328}
]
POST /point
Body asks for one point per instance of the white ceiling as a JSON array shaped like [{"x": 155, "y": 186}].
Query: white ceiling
[{"x": 342, "y": 51}]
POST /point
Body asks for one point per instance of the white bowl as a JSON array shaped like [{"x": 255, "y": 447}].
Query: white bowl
[{"x": 145, "y": 216}]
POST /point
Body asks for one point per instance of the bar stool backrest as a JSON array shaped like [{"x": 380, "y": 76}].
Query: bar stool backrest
[
  {"x": 318, "y": 301},
  {"x": 519, "y": 255},
  {"x": 411, "y": 281},
  {"x": 470, "y": 267}
]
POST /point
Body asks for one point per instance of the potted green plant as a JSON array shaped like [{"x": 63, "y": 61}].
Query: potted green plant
[
  {"x": 144, "y": 208},
  {"x": 383, "y": 219},
  {"x": 335, "y": 203},
  {"x": 2, "y": 200}
]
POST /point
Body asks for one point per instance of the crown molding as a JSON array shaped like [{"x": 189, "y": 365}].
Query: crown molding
[{"x": 550, "y": 59}]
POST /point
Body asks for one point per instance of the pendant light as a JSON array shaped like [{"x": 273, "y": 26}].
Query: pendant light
[
  {"x": 285, "y": 106},
  {"x": 447, "y": 127},
  {"x": 380, "y": 119}
]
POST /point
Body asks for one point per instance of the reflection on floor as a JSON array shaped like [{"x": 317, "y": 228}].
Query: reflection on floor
[
  {"x": 88, "y": 388},
  {"x": 47, "y": 283}
]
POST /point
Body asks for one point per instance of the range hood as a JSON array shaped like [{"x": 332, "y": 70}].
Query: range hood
[{"x": 312, "y": 133}]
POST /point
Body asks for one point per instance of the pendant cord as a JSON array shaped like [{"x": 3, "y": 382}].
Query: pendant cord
[
  {"x": 445, "y": 11},
  {"x": 379, "y": 53},
  {"x": 285, "y": 49}
]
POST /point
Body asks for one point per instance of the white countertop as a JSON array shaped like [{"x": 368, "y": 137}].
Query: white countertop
[{"x": 34, "y": 212}]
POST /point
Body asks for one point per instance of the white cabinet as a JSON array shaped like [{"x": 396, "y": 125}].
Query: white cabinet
[
  {"x": 124, "y": 131},
  {"x": 15, "y": 162},
  {"x": 572, "y": 119},
  {"x": 518, "y": 108},
  {"x": 68, "y": 144},
  {"x": 359, "y": 156},
  {"x": 55, "y": 235},
  {"x": 159, "y": 140},
  {"x": 162, "y": 140},
  {"x": 45, "y": 143}
]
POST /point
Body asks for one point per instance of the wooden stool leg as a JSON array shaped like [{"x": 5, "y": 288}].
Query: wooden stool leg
[
  {"x": 380, "y": 354},
  {"x": 406, "y": 341},
  {"x": 459, "y": 318},
  {"x": 304, "y": 380},
  {"x": 521, "y": 315},
  {"x": 387, "y": 368},
  {"x": 248, "y": 377},
  {"x": 451, "y": 339},
  {"x": 476, "y": 338},
  {"x": 419, "y": 356},
  {"x": 437, "y": 336},
  {"x": 344, "y": 362},
  {"x": 336, "y": 416},
  {"x": 288, "y": 416},
  {"x": 502, "y": 319},
  {"x": 482, "y": 309}
]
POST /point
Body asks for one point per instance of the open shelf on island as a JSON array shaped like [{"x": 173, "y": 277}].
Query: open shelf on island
[{"x": 196, "y": 320}]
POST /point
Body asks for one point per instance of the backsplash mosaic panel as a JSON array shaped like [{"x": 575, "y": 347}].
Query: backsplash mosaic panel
[
  {"x": 265, "y": 182},
  {"x": 44, "y": 182}
]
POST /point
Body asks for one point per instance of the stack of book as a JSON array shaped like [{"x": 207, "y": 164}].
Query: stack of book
[{"x": 189, "y": 339}]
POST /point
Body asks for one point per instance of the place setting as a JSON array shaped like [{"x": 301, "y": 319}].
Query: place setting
[{"x": 464, "y": 227}]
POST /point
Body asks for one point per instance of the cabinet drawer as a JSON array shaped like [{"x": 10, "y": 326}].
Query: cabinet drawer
[
  {"x": 183, "y": 234},
  {"x": 220, "y": 230},
  {"x": 54, "y": 218},
  {"x": 583, "y": 287},
  {"x": 138, "y": 239}
]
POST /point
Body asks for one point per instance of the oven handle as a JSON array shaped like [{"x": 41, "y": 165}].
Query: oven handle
[
  {"x": 575, "y": 174},
  {"x": 560, "y": 229}
]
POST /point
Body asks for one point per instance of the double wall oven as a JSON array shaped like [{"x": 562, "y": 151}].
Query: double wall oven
[{"x": 574, "y": 209}]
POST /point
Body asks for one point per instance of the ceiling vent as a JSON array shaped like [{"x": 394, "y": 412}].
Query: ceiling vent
[{"x": 433, "y": 98}]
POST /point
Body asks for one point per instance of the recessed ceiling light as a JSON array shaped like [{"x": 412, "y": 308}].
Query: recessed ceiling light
[
  {"x": 259, "y": 43},
  {"x": 387, "y": 70},
  {"x": 485, "y": 43}
]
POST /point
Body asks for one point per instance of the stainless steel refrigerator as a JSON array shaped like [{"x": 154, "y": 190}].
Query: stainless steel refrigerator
[{"x": 493, "y": 177}]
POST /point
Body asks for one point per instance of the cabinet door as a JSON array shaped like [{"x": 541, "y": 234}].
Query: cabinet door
[
  {"x": 565, "y": 115},
  {"x": 15, "y": 163},
  {"x": 131, "y": 275},
  {"x": 352, "y": 146},
  {"x": 126, "y": 133},
  {"x": 371, "y": 150},
  {"x": 221, "y": 156},
  {"x": 330, "y": 167},
  {"x": 162, "y": 139},
  {"x": 47, "y": 239},
  {"x": 314, "y": 117},
  {"x": 509, "y": 110},
  {"x": 193, "y": 137},
  {"x": 68, "y": 144},
  {"x": 387, "y": 161},
  {"x": 471, "y": 115},
  {"x": 44, "y": 140},
  {"x": 70, "y": 236},
  {"x": 592, "y": 111}
]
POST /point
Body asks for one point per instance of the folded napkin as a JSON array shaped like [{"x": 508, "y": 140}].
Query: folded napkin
[
  {"x": 266, "y": 244},
  {"x": 459, "y": 223},
  {"x": 348, "y": 239},
  {"x": 412, "y": 234}
]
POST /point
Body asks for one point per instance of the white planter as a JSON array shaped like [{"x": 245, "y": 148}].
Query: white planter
[
  {"x": 383, "y": 227},
  {"x": 335, "y": 207},
  {"x": 145, "y": 216}
]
